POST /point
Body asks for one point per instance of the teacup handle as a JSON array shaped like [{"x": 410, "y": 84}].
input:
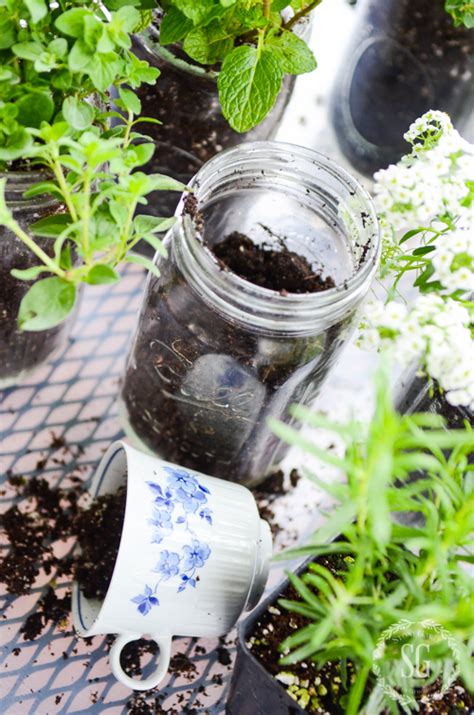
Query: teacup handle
[{"x": 164, "y": 644}]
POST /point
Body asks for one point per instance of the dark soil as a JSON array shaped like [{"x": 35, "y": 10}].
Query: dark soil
[
  {"x": 406, "y": 58},
  {"x": 267, "y": 493},
  {"x": 323, "y": 691},
  {"x": 98, "y": 531},
  {"x": 50, "y": 516},
  {"x": 280, "y": 270}
]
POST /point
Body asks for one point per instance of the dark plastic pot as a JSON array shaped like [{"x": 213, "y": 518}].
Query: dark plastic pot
[
  {"x": 254, "y": 691},
  {"x": 414, "y": 395}
]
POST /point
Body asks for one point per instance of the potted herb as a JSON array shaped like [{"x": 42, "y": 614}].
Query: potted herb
[
  {"x": 268, "y": 261},
  {"x": 343, "y": 633},
  {"x": 204, "y": 52},
  {"x": 55, "y": 69},
  {"x": 405, "y": 57},
  {"x": 425, "y": 206}
]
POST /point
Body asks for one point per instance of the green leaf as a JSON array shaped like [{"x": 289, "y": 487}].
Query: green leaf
[
  {"x": 101, "y": 274},
  {"x": 142, "y": 261},
  {"x": 41, "y": 188},
  {"x": 7, "y": 32},
  {"x": 28, "y": 50},
  {"x": 152, "y": 224},
  {"x": 78, "y": 113},
  {"x": 37, "y": 9},
  {"x": 29, "y": 274},
  {"x": 155, "y": 243},
  {"x": 248, "y": 85},
  {"x": 174, "y": 26},
  {"x": 80, "y": 56},
  {"x": 161, "y": 182},
  {"x": 130, "y": 100},
  {"x": 47, "y": 303},
  {"x": 293, "y": 54},
  {"x": 208, "y": 45},
  {"x": 35, "y": 108},
  {"x": 51, "y": 226},
  {"x": 195, "y": 10},
  {"x": 71, "y": 22}
]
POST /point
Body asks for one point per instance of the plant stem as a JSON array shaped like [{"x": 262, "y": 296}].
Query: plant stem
[
  {"x": 59, "y": 175},
  {"x": 357, "y": 691},
  {"x": 266, "y": 8},
  {"x": 300, "y": 14},
  {"x": 28, "y": 241},
  {"x": 85, "y": 218}
]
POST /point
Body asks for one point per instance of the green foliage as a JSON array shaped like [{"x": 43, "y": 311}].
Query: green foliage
[
  {"x": 461, "y": 11},
  {"x": 52, "y": 59},
  {"x": 96, "y": 175},
  {"x": 251, "y": 41},
  {"x": 395, "y": 570}
]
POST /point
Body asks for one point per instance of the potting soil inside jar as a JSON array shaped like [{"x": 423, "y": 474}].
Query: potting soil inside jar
[
  {"x": 98, "y": 531},
  {"x": 271, "y": 240}
]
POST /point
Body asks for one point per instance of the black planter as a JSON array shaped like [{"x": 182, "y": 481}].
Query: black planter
[
  {"x": 414, "y": 395},
  {"x": 405, "y": 57},
  {"x": 254, "y": 691}
]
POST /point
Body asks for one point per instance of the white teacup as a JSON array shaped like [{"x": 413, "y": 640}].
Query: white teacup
[{"x": 193, "y": 555}]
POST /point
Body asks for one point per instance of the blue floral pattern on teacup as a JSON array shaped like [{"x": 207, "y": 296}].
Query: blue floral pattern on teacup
[{"x": 180, "y": 504}]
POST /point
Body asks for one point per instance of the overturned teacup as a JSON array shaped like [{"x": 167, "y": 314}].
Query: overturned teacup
[{"x": 193, "y": 555}]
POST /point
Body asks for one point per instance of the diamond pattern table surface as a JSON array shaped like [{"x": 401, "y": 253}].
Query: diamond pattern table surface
[{"x": 73, "y": 398}]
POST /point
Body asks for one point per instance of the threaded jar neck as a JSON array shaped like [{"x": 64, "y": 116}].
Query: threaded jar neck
[
  {"x": 300, "y": 181},
  {"x": 19, "y": 181}
]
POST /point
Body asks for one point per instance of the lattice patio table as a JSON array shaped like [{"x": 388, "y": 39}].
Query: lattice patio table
[{"x": 58, "y": 424}]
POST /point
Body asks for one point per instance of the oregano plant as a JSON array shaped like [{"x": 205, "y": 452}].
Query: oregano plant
[
  {"x": 95, "y": 175},
  {"x": 54, "y": 57},
  {"x": 252, "y": 43}
]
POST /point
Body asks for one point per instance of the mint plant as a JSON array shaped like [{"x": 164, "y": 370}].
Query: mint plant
[
  {"x": 251, "y": 43},
  {"x": 394, "y": 571},
  {"x": 52, "y": 58},
  {"x": 95, "y": 176}
]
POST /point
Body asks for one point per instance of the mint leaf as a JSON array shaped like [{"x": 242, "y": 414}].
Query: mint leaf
[
  {"x": 174, "y": 26},
  {"x": 47, "y": 303},
  {"x": 292, "y": 53},
  {"x": 208, "y": 45},
  {"x": 248, "y": 84},
  {"x": 195, "y": 10},
  {"x": 78, "y": 113}
]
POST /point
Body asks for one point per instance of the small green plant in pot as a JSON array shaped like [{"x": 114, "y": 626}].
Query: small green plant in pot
[
  {"x": 380, "y": 618},
  {"x": 233, "y": 63},
  {"x": 56, "y": 65}
]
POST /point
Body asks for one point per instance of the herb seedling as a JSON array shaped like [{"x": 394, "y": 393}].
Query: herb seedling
[
  {"x": 394, "y": 572},
  {"x": 251, "y": 41},
  {"x": 94, "y": 176}
]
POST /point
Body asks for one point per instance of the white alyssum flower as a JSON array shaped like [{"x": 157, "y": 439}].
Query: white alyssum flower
[
  {"x": 453, "y": 260},
  {"x": 436, "y": 331},
  {"x": 429, "y": 182}
]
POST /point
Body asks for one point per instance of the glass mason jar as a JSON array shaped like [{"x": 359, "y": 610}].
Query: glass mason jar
[
  {"x": 414, "y": 394},
  {"x": 215, "y": 356},
  {"x": 22, "y": 352},
  {"x": 185, "y": 99},
  {"x": 406, "y": 57}
]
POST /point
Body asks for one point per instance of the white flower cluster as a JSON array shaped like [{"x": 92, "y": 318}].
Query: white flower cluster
[
  {"x": 428, "y": 183},
  {"x": 435, "y": 331},
  {"x": 453, "y": 260}
]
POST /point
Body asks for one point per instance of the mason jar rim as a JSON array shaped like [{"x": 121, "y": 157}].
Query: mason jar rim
[
  {"x": 252, "y": 304},
  {"x": 20, "y": 180}
]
